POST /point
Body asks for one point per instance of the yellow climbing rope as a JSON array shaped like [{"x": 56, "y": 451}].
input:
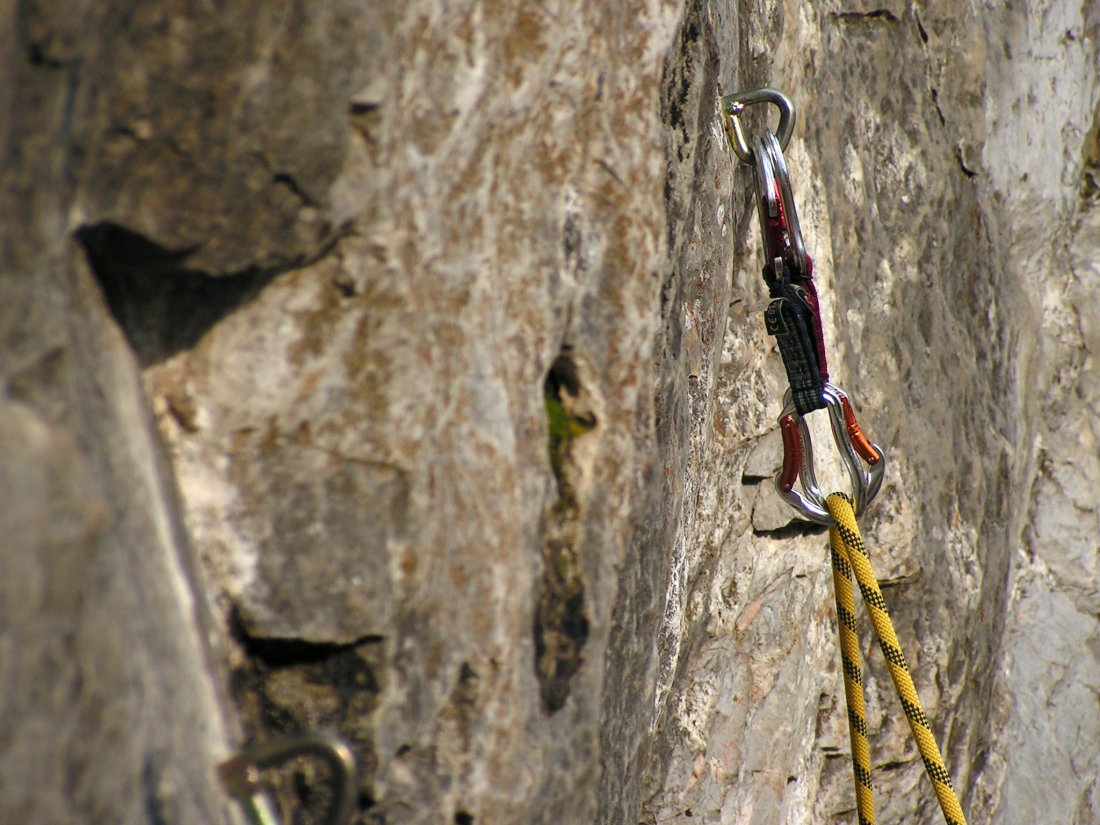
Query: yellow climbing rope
[
  {"x": 853, "y": 680},
  {"x": 849, "y": 554}
]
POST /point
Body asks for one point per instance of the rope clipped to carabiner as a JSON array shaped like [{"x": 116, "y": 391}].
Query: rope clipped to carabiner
[
  {"x": 793, "y": 317},
  {"x": 850, "y": 554}
]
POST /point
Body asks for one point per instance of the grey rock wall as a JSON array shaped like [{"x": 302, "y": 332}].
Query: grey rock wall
[{"x": 398, "y": 369}]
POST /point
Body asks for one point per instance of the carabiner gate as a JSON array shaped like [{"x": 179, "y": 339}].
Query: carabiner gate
[
  {"x": 795, "y": 245},
  {"x": 798, "y": 458},
  {"x": 775, "y": 209}
]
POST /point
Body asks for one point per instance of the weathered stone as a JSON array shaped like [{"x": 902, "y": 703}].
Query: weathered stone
[
  {"x": 922, "y": 252},
  {"x": 110, "y": 706},
  {"x": 437, "y": 433}
]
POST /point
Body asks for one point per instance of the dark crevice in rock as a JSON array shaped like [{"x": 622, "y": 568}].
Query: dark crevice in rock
[
  {"x": 894, "y": 765},
  {"x": 275, "y": 652},
  {"x": 292, "y": 185},
  {"x": 36, "y": 55},
  {"x": 462, "y": 707},
  {"x": 463, "y": 818},
  {"x": 572, "y": 243},
  {"x": 282, "y": 685},
  {"x": 162, "y": 306},
  {"x": 561, "y": 626},
  {"x": 865, "y": 16},
  {"x": 677, "y": 84},
  {"x": 936, "y": 102},
  {"x": 151, "y": 790},
  {"x": 365, "y": 117},
  {"x": 1090, "y": 171},
  {"x": 365, "y": 802},
  {"x": 793, "y": 530},
  {"x": 290, "y": 652},
  {"x": 920, "y": 28},
  {"x": 561, "y": 621},
  {"x": 566, "y": 420},
  {"x": 677, "y": 90},
  {"x": 669, "y": 192},
  {"x": 966, "y": 170},
  {"x": 356, "y": 107}
]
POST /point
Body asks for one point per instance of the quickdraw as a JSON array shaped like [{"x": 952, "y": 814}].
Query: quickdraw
[{"x": 794, "y": 318}]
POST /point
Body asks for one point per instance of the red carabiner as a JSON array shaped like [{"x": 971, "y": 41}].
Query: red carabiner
[{"x": 792, "y": 453}]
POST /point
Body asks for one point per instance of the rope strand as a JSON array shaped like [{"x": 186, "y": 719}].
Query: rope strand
[
  {"x": 853, "y": 687},
  {"x": 850, "y": 554}
]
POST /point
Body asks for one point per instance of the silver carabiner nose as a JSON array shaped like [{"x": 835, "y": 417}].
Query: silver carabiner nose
[
  {"x": 732, "y": 107},
  {"x": 865, "y": 462}
]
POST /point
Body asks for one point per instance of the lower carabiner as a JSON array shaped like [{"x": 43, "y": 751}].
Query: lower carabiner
[{"x": 798, "y": 463}]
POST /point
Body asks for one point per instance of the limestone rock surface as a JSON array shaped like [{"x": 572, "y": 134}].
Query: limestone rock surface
[{"x": 398, "y": 369}]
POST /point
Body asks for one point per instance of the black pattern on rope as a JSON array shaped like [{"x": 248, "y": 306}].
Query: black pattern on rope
[
  {"x": 938, "y": 772},
  {"x": 847, "y": 617},
  {"x": 874, "y": 599},
  {"x": 842, "y": 565},
  {"x": 851, "y": 670},
  {"x": 863, "y": 776},
  {"x": 893, "y": 655},
  {"x": 851, "y": 540},
  {"x": 915, "y": 713}
]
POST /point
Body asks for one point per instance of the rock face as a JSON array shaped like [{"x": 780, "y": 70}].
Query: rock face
[{"x": 398, "y": 369}]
